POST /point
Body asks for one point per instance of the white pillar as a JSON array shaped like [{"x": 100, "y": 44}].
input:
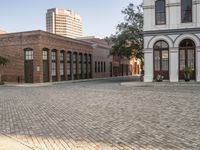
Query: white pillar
[
  {"x": 173, "y": 65},
  {"x": 148, "y": 65},
  {"x": 198, "y": 64}
]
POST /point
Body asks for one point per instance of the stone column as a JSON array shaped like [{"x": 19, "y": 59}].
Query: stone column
[
  {"x": 148, "y": 65},
  {"x": 173, "y": 65},
  {"x": 198, "y": 64}
]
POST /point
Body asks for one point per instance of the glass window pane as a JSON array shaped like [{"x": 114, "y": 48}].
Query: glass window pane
[
  {"x": 157, "y": 60},
  {"x": 186, "y": 10},
  {"x": 164, "y": 60},
  {"x": 62, "y": 56},
  {"x": 182, "y": 59},
  {"x": 191, "y": 59},
  {"x": 61, "y": 69},
  {"x": 160, "y": 12}
]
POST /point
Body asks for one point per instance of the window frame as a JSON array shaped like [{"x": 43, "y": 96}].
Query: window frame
[
  {"x": 156, "y": 19},
  {"x": 160, "y": 51},
  {"x": 191, "y": 10}
]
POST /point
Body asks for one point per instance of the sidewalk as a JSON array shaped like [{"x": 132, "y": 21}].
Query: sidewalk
[
  {"x": 7, "y": 143},
  {"x": 160, "y": 84},
  {"x": 63, "y": 82}
]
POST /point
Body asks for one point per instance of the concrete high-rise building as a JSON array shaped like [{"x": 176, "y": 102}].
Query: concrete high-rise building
[{"x": 63, "y": 22}]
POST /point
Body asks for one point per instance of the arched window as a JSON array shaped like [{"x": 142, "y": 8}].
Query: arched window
[
  {"x": 161, "y": 59},
  {"x": 160, "y": 12},
  {"x": 62, "y": 65},
  {"x": 187, "y": 57},
  {"x": 45, "y": 55},
  {"x": 186, "y": 11},
  {"x": 28, "y": 65},
  {"x": 69, "y": 65},
  {"x": 54, "y": 64}
]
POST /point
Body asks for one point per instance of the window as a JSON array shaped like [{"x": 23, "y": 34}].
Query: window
[
  {"x": 53, "y": 63},
  {"x": 45, "y": 54},
  {"x": 104, "y": 65},
  {"x": 62, "y": 66},
  {"x": 53, "y": 55},
  {"x": 95, "y": 66},
  {"x": 85, "y": 64},
  {"x": 69, "y": 64},
  {"x": 80, "y": 63},
  {"x": 75, "y": 63},
  {"x": 101, "y": 66},
  {"x": 28, "y": 54},
  {"x": 186, "y": 11},
  {"x": 160, "y": 12},
  {"x": 62, "y": 56},
  {"x": 187, "y": 58},
  {"x": 53, "y": 68},
  {"x": 90, "y": 64}
]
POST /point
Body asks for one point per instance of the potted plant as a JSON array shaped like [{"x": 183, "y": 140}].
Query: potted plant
[
  {"x": 187, "y": 73},
  {"x": 159, "y": 78}
]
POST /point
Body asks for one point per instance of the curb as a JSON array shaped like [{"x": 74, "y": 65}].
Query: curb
[
  {"x": 63, "y": 82},
  {"x": 160, "y": 84}
]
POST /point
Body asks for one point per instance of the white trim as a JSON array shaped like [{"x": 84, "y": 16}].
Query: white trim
[{"x": 158, "y": 38}]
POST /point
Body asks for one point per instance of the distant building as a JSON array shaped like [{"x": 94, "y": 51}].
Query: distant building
[
  {"x": 105, "y": 65},
  {"x": 102, "y": 64},
  {"x": 63, "y": 22}
]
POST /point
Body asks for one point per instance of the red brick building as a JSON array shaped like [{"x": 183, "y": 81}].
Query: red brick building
[{"x": 38, "y": 56}]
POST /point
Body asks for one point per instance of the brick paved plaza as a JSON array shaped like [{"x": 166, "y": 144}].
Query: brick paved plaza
[{"x": 101, "y": 115}]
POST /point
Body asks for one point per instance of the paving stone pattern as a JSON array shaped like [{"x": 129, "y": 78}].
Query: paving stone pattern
[{"x": 102, "y": 115}]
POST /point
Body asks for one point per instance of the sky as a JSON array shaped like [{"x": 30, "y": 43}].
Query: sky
[{"x": 99, "y": 17}]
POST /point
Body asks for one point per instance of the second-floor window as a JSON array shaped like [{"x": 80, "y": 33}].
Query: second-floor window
[
  {"x": 160, "y": 12},
  {"x": 186, "y": 11}
]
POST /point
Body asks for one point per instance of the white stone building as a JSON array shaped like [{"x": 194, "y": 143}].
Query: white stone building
[{"x": 171, "y": 39}]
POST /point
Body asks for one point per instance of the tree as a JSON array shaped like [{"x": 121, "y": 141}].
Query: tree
[
  {"x": 3, "y": 62},
  {"x": 128, "y": 40}
]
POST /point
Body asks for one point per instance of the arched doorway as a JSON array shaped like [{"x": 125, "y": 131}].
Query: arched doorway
[
  {"x": 187, "y": 58},
  {"x": 161, "y": 59}
]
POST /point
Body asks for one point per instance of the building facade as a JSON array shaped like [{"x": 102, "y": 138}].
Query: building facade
[
  {"x": 171, "y": 39},
  {"x": 63, "y": 22},
  {"x": 38, "y": 56},
  {"x": 102, "y": 64}
]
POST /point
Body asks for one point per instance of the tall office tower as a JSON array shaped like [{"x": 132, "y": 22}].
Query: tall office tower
[{"x": 63, "y": 22}]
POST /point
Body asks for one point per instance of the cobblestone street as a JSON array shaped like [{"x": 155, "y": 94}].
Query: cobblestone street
[{"x": 102, "y": 115}]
